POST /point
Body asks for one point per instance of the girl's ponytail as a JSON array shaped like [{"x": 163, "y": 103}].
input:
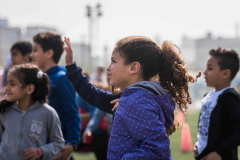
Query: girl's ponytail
[
  {"x": 175, "y": 78},
  {"x": 41, "y": 87}
]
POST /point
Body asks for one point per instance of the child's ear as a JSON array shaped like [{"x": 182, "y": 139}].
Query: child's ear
[
  {"x": 226, "y": 74},
  {"x": 30, "y": 89},
  {"x": 49, "y": 53},
  {"x": 134, "y": 67}
]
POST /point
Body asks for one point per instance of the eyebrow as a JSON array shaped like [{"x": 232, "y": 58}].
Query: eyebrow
[{"x": 11, "y": 81}]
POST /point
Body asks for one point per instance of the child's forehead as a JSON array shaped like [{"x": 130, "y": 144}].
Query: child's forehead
[
  {"x": 15, "y": 50},
  {"x": 37, "y": 45},
  {"x": 12, "y": 77},
  {"x": 212, "y": 60}
]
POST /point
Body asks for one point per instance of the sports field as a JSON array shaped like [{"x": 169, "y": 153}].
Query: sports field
[{"x": 175, "y": 139}]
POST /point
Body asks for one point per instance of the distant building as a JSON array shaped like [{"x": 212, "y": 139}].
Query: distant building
[
  {"x": 8, "y": 36},
  {"x": 196, "y": 51}
]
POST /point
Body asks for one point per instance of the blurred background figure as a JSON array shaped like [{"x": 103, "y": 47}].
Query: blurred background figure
[
  {"x": 98, "y": 76},
  {"x": 20, "y": 52},
  {"x": 94, "y": 122}
]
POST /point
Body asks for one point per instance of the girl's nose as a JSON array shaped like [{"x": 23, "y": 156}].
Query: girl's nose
[
  {"x": 7, "y": 88},
  {"x": 205, "y": 72},
  {"x": 108, "y": 67}
]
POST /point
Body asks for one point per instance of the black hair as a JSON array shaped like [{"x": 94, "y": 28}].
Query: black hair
[
  {"x": 29, "y": 74},
  {"x": 163, "y": 62},
  {"x": 52, "y": 41},
  {"x": 227, "y": 59},
  {"x": 23, "y": 46}
]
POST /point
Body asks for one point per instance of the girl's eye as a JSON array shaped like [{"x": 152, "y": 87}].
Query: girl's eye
[{"x": 113, "y": 61}]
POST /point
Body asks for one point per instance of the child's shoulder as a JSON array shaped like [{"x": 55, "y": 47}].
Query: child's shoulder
[
  {"x": 231, "y": 92},
  {"x": 48, "y": 108}
]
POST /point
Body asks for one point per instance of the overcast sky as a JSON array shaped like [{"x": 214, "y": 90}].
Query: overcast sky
[{"x": 170, "y": 19}]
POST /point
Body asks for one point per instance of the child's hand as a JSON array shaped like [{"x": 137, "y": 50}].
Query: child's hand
[
  {"x": 116, "y": 101},
  {"x": 195, "y": 150},
  {"x": 212, "y": 156},
  {"x": 32, "y": 153},
  {"x": 69, "y": 51},
  {"x": 87, "y": 136}
]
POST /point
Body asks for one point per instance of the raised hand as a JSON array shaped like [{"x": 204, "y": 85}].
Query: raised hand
[{"x": 69, "y": 52}]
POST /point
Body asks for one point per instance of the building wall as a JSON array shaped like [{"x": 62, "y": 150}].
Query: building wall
[{"x": 8, "y": 36}]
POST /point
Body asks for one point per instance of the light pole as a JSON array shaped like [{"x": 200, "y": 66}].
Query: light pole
[{"x": 93, "y": 15}]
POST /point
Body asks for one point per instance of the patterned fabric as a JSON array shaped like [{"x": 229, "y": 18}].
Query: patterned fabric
[{"x": 139, "y": 127}]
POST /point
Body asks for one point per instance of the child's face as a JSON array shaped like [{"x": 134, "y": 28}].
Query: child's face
[
  {"x": 38, "y": 56},
  {"x": 213, "y": 74},
  {"x": 14, "y": 89},
  {"x": 17, "y": 57},
  {"x": 118, "y": 71}
]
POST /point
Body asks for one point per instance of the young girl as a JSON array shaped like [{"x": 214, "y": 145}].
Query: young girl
[
  {"x": 145, "y": 116},
  {"x": 26, "y": 121}
]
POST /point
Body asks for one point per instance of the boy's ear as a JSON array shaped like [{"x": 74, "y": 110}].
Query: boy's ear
[
  {"x": 30, "y": 88},
  {"x": 134, "y": 67},
  {"x": 49, "y": 53},
  {"x": 226, "y": 73}
]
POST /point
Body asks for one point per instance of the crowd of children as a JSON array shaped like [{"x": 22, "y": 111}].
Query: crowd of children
[{"x": 42, "y": 117}]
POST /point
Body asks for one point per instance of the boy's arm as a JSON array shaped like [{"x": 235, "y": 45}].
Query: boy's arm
[
  {"x": 56, "y": 144},
  {"x": 232, "y": 104},
  {"x": 96, "y": 97},
  {"x": 70, "y": 110}
]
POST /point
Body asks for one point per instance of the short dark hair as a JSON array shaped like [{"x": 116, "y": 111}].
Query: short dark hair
[
  {"x": 23, "y": 46},
  {"x": 227, "y": 59},
  {"x": 49, "y": 40}
]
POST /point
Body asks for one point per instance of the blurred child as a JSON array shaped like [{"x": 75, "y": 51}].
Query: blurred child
[
  {"x": 26, "y": 121},
  {"x": 97, "y": 142},
  {"x": 47, "y": 51},
  {"x": 219, "y": 121},
  {"x": 20, "y": 52},
  {"x": 145, "y": 116}
]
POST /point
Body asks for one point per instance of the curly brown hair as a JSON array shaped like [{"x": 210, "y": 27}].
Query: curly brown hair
[{"x": 163, "y": 62}]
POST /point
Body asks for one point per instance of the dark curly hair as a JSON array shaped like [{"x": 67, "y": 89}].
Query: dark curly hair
[
  {"x": 27, "y": 74},
  {"x": 163, "y": 62},
  {"x": 227, "y": 59},
  {"x": 49, "y": 40}
]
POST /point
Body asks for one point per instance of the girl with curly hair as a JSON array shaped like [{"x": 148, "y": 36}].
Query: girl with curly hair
[{"x": 154, "y": 80}]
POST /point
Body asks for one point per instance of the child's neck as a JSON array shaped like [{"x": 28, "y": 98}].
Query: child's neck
[
  {"x": 48, "y": 65},
  {"x": 220, "y": 87},
  {"x": 25, "y": 103}
]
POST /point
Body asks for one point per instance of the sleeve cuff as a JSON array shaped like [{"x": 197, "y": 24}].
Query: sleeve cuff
[
  {"x": 44, "y": 151},
  {"x": 71, "y": 67}
]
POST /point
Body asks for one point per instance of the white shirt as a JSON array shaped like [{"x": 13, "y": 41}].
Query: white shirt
[{"x": 208, "y": 104}]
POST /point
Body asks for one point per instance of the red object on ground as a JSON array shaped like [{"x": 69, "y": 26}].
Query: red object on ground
[{"x": 186, "y": 140}]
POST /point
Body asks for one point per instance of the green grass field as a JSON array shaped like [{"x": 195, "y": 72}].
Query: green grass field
[{"x": 175, "y": 139}]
